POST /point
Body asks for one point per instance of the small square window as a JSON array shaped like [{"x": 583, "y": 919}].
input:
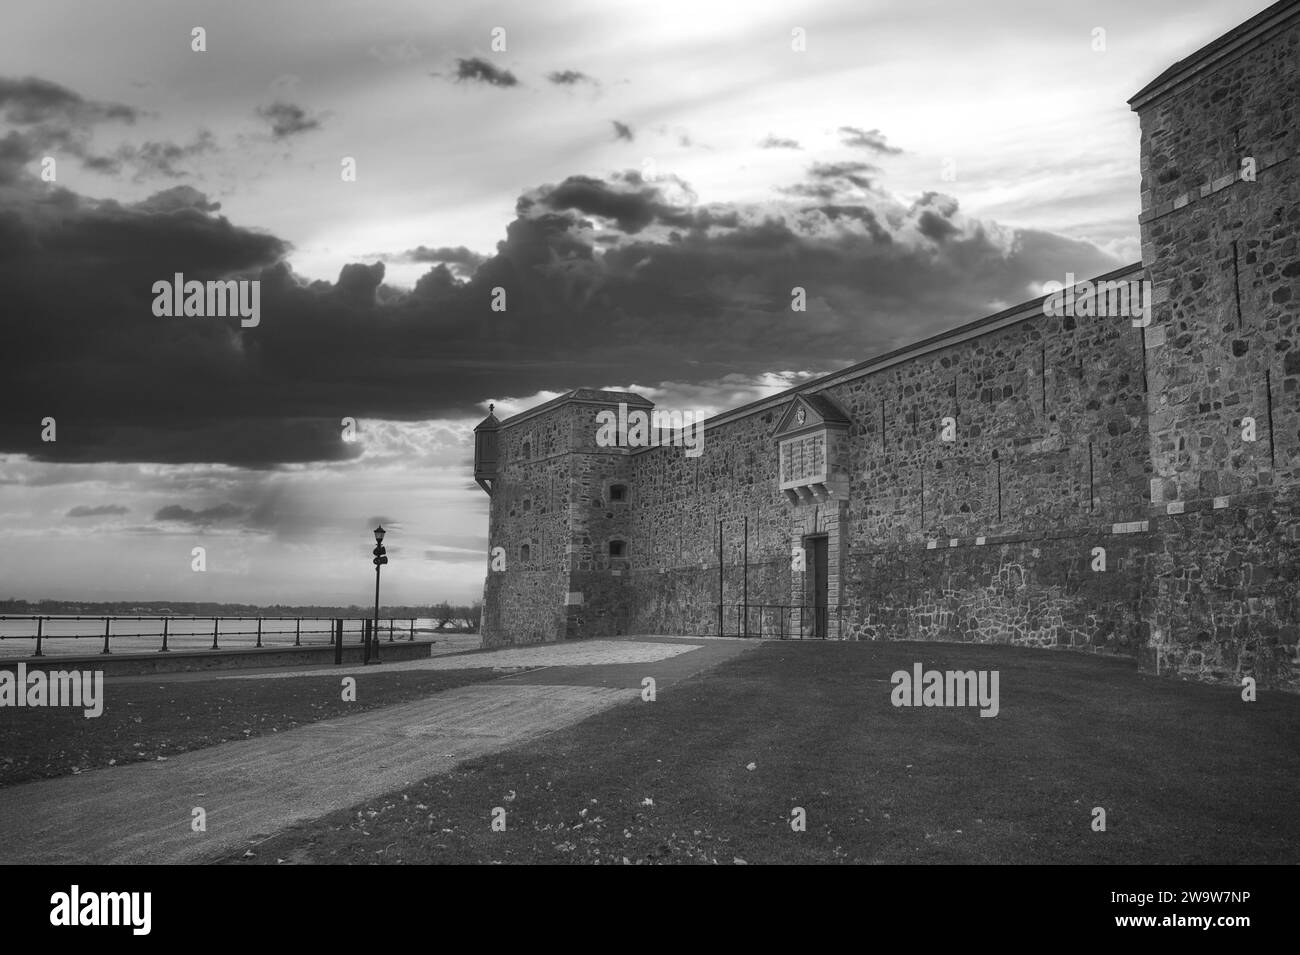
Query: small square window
[
  {"x": 617, "y": 549},
  {"x": 618, "y": 492}
]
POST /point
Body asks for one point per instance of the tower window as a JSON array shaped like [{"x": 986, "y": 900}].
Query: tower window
[
  {"x": 617, "y": 549},
  {"x": 528, "y": 451},
  {"x": 525, "y": 553},
  {"x": 618, "y": 492},
  {"x": 528, "y": 505}
]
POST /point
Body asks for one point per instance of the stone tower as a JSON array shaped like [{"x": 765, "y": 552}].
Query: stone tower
[
  {"x": 558, "y": 538},
  {"x": 1220, "y": 223}
]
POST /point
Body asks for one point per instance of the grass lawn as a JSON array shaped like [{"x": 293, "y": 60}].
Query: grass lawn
[
  {"x": 151, "y": 720},
  {"x": 1186, "y": 773}
]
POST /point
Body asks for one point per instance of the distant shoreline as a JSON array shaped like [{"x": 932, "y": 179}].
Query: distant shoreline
[{"x": 164, "y": 608}]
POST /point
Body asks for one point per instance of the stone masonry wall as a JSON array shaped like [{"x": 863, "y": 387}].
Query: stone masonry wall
[
  {"x": 553, "y": 496},
  {"x": 525, "y": 601},
  {"x": 678, "y": 503},
  {"x": 1049, "y": 457},
  {"x": 1223, "y": 351},
  {"x": 596, "y": 520},
  {"x": 1110, "y": 487}
]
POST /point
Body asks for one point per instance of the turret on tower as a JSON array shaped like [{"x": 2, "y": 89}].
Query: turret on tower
[{"x": 487, "y": 451}]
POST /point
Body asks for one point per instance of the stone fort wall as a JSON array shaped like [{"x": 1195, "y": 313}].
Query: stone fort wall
[
  {"x": 1219, "y": 238},
  {"x": 1074, "y": 439},
  {"x": 986, "y": 538}
]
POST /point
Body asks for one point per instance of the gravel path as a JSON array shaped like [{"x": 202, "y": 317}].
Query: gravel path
[{"x": 142, "y": 813}]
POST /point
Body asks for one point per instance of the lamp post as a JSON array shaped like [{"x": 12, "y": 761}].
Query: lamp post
[{"x": 381, "y": 558}]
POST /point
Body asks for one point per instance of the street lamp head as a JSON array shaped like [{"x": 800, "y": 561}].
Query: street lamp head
[{"x": 379, "y": 534}]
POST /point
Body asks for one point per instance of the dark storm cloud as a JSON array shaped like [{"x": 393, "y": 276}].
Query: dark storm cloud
[
  {"x": 933, "y": 213},
  {"x": 108, "y": 165},
  {"x": 357, "y": 283},
  {"x": 165, "y": 159},
  {"x": 569, "y": 77},
  {"x": 209, "y": 515},
  {"x": 437, "y": 283},
  {"x": 628, "y": 199},
  {"x": 101, "y": 510},
  {"x": 623, "y": 131},
  {"x": 851, "y": 172},
  {"x": 127, "y": 386},
  {"x": 458, "y": 256},
  {"x": 59, "y": 122},
  {"x": 33, "y": 100},
  {"x": 477, "y": 70},
  {"x": 287, "y": 119},
  {"x": 56, "y": 121},
  {"x": 870, "y": 139},
  {"x": 16, "y": 151},
  {"x": 861, "y": 214},
  {"x": 779, "y": 142},
  {"x": 664, "y": 290},
  {"x": 177, "y": 199},
  {"x": 151, "y": 160},
  {"x": 828, "y": 181}
]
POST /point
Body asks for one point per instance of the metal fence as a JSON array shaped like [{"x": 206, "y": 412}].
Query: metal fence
[
  {"x": 782, "y": 621},
  {"x": 187, "y": 632}
]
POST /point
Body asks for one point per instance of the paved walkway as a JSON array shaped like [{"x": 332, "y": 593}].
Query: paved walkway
[
  {"x": 142, "y": 812},
  {"x": 586, "y": 653}
]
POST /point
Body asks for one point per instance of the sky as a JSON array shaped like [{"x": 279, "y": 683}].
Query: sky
[{"x": 646, "y": 182}]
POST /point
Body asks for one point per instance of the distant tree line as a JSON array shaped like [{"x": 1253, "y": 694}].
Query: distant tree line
[{"x": 448, "y": 617}]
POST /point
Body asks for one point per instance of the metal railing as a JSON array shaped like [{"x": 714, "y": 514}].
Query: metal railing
[
  {"x": 783, "y": 621},
  {"x": 51, "y": 627}
]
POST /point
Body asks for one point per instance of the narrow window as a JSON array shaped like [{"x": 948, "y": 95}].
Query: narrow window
[{"x": 524, "y": 553}]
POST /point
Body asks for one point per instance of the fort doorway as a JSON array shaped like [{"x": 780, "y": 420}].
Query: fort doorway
[{"x": 817, "y": 597}]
